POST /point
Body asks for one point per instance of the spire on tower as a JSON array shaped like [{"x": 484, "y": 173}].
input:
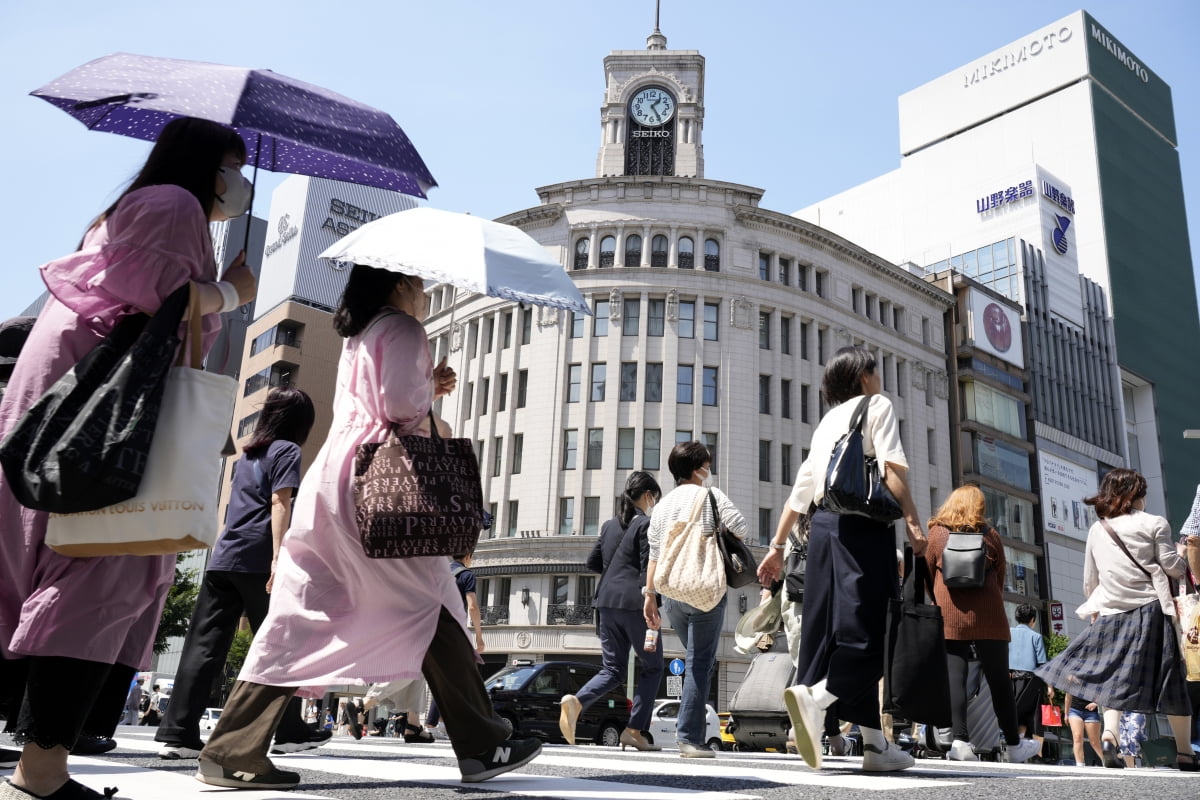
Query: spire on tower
[{"x": 656, "y": 40}]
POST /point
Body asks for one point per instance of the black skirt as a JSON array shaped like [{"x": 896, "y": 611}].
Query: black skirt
[{"x": 1128, "y": 661}]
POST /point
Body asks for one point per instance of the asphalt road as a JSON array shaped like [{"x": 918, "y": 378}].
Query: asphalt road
[{"x": 389, "y": 768}]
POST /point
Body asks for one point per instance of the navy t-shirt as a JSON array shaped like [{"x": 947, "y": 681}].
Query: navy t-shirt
[
  {"x": 245, "y": 545},
  {"x": 465, "y": 579}
]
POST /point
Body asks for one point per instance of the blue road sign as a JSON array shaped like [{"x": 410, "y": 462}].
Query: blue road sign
[{"x": 676, "y": 666}]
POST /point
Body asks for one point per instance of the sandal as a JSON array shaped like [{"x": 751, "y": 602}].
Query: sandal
[
  {"x": 1186, "y": 766},
  {"x": 1108, "y": 751},
  {"x": 416, "y": 735},
  {"x": 71, "y": 790}
]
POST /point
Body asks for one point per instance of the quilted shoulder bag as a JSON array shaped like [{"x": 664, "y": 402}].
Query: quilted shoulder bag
[
  {"x": 964, "y": 560},
  {"x": 853, "y": 484},
  {"x": 690, "y": 568}
]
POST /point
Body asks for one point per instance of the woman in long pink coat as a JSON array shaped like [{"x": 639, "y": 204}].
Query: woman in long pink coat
[
  {"x": 74, "y": 630},
  {"x": 336, "y": 616}
]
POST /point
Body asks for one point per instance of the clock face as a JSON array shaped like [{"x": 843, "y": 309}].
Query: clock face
[{"x": 652, "y": 106}]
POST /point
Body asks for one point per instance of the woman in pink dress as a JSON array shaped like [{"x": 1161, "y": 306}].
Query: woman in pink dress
[
  {"x": 336, "y": 616},
  {"x": 73, "y": 631}
]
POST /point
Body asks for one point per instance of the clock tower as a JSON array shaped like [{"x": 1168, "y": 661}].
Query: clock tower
[{"x": 653, "y": 111}]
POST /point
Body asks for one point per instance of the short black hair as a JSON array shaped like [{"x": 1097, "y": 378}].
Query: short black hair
[
  {"x": 686, "y": 458},
  {"x": 1026, "y": 613},
  {"x": 844, "y": 372}
]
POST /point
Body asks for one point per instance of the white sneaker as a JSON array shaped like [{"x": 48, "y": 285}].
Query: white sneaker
[
  {"x": 890, "y": 759},
  {"x": 808, "y": 721},
  {"x": 174, "y": 751},
  {"x": 1019, "y": 752},
  {"x": 961, "y": 751}
]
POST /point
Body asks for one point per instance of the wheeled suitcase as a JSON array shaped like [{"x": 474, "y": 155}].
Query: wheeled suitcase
[
  {"x": 758, "y": 719},
  {"x": 982, "y": 725}
]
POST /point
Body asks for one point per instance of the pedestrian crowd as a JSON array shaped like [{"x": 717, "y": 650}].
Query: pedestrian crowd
[{"x": 74, "y": 631}]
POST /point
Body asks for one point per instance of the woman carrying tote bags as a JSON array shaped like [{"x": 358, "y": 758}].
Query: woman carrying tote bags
[
  {"x": 686, "y": 511},
  {"x": 337, "y": 616},
  {"x": 976, "y": 626},
  {"x": 1128, "y": 659},
  {"x": 851, "y": 570},
  {"x": 73, "y": 631}
]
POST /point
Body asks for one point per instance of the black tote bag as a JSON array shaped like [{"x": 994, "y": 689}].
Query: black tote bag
[
  {"x": 740, "y": 567},
  {"x": 916, "y": 680},
  {"x": 83, "y": 445},
  {"x": 853, "y": 484}
]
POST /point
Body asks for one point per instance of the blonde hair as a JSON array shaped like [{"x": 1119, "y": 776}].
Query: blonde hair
[{"x": 962, "y": 511}]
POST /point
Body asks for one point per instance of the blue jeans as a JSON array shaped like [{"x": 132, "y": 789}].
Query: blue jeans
[{"x": 700, "y": 633}]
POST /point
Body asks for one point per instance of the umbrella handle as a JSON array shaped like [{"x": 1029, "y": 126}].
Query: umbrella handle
[{"x": 253, "y": 191}]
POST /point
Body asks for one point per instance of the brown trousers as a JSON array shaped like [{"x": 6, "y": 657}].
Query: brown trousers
[{"x": 243, "y": 733}]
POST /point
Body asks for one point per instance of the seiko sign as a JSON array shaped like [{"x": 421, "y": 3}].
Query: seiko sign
[
  {"x": 659, "y": 134},
  {"x": 353, "y": 217},
  {"x": 1013, "y": 58}
]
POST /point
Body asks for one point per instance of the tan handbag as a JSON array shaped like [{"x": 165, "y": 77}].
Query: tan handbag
[{"x": 690, "y": 568}]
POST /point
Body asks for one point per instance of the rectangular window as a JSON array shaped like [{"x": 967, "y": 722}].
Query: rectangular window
[
  {"x": 683, "y": 383},
  {"x": 570, "y": 448},
  {"x": 558, "y": 592},
  {"x": 585, "y": 585},
  {"x": 489, "y": 332},
  {"x": 654, "y": 382},
  {"x": 472, "y": 339},
  {"x": 566, "y": 516},
  {"x": 710, "y": 386},
  {"x": 820, "y": 283},
  {"x": 595, "y": 448},
  {"x": 513, "y": 506},
  {"x": 502, "y": 395},
  {"x": 785, "y": 271},
  {"x": 764, "y": 330},
  {"x": 687, "y": 319},
  {"x": 600, "y": 324},
  {"x": 656, "y": 316},
  {"x": 711, "y": 331},
  {"x": 577, "y": 320},
  {"x": 821, "y": 345},
  {"x": 802, "y": 277},
  {"x": 804, "y": 340},
  {"x": 785, "y": 399},
  {"x": 785, "y": 335},
  {"x": 682, "y": 436},
  {"x": 764, "y": 266},
  {"x": 485, "y": 391},
  {"x": 629, "y": 380},
  {"x": 804, "y": 403},
  {"x": 467, "y": 400},
  {"x": 898, "y": 319},
  {"x": 591, "y": 517},
  {"x": 526, "y": 325},
  {"x": 497, "y": 456},
  {"x": 856, "y": 296},
  {"x": 764, "y": 394},
  {"x": 931, "y": 444},
  {"x": 508, "y": 326},
  {"x": 599, "y": 381},
  {"x": 518, "y": 452},
  {"x": 765, "y": 531},
  {"x": 625, "y": 448},
  {"x": 651, "y": 448},
  {"x": 574, "y": 380},
  {"x": 786, "y": 475},
  {"x": 992, "y": 408},
  {"x": 710, "y": 442},
  {"x": 764, "y": 460},
  {"x": 522, "y": 387},
  {"x": 630, "y": 317}
]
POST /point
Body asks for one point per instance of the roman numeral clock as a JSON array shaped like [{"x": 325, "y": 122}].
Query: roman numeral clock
[{"x": 650, "y": 143}]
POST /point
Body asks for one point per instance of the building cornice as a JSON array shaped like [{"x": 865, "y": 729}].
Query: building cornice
[{"x": 533, "y": 217}]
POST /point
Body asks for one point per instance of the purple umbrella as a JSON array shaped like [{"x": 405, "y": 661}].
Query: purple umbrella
[{"x": 288, "y": 125}]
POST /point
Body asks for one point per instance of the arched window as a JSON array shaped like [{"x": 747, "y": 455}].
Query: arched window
[
  {"x": 712, "y": 255},
  {"x": 581, "y": 253},
  {"x": 633, "y": 250},
  {"x": 687, "y": 254},
  {"x": 608, "y": 251},
  {"x": 658, "y": 251}
]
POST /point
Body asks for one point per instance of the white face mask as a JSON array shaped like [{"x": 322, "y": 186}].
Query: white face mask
[
  {"x": 236, "y": 199},
  {"x": 706, "y": 478}
]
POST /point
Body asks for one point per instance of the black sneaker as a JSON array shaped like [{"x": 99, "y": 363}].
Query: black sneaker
[
  {"x": 508, "y": 755},
  {"x": 88, "y": 745},
  {"x": 214, "y": 774},
  {"x": 315, "y": 740}
]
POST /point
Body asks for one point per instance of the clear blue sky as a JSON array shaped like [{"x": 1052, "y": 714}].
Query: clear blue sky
[{"x": 500, "y": 98}]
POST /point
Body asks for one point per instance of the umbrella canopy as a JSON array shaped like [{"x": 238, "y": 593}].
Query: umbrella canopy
[
  {"x": 463, "y": 251},
  {"x": 288, "y": 125}
]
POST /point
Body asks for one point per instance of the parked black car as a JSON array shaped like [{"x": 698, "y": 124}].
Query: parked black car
[{"x": 528, "y": 695}]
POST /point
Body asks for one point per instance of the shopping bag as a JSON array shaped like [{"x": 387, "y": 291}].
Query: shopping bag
[
  {"x": 1051, "y": 716},
  {"x": 689, "y": 567},
  {"x": 175, "y": 507},
  {"x": 916, "y": 679},
  {"x": 83, "y": 445},
  {"x": 1187, "y": 617},
  {"x": 417, "y": 496}
]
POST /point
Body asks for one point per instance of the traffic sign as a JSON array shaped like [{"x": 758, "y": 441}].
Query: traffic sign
[
  {"x": 676, "y": 666},
  {"x": 674, "y": 686}
]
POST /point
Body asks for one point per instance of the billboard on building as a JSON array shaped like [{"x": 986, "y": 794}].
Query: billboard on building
[
  {"x": 1056, "y": 220},
  {"x": 995, "y": 328},
  {"x": 1064, "y": 485}
]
